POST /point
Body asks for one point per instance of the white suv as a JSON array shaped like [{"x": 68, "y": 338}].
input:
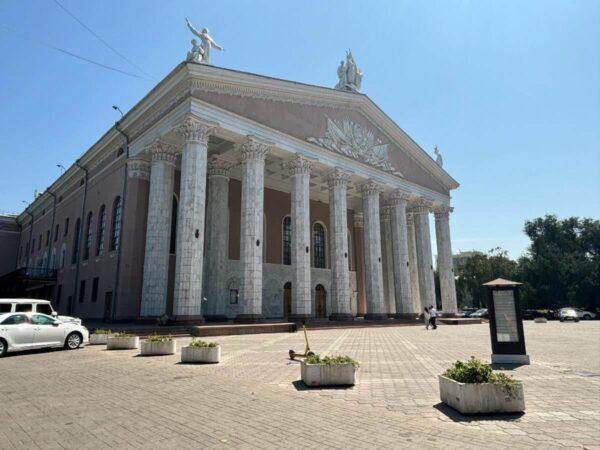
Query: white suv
[
  {"x": 26, "y": 331},
  {"x": 28, "y": 305}
]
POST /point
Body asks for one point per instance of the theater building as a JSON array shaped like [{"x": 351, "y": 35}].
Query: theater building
[{"x": 225, "y": 194}]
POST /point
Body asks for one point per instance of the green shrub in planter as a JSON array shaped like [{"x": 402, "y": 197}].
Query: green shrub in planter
[
  {"x": 330, "y": 360},
  {"x": 123, "y": 335},
  {"x": 476, "y": 371},
  {"x": 197, "y": 343},
  {"x": 101, "y": 331},
  {"x": 159, "y": 338}
]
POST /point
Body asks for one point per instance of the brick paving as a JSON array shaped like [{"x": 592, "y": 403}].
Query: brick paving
[{"x": 93, "y": 398}]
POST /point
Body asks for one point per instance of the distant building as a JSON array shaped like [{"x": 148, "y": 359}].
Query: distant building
[{"x": 460, "y": 259}]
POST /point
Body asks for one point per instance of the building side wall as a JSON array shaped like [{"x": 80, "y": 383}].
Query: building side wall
[{"x": 9, "y": 245}]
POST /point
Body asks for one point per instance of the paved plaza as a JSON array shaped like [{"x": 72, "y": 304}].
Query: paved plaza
[{"x": 93, "y": 398}]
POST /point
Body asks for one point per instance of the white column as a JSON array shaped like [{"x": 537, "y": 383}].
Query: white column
[
  {"x": 158, "y": 229},
  {"x": 190, "y": 224},
  {"x": 404, "y": 301},
  {"x": 424, "y": 258},
  {"x": 217, "y": 240},
  {"x": 372, "y": 252},
  {"x": 254, "y": 153},
  {"x": 388, "y": 261},
  {"x": 299, "y": 171},
  {"x": 338, "y": 224},
  {"x": 444, "y": 251},
  {"x": 412, "y": 263}
]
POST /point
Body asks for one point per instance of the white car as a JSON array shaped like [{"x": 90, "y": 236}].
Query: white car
[
  {"x": 26, "y": 331},
  {"x": 27, "y": 305},
  {"x": 585, "y": 315}
]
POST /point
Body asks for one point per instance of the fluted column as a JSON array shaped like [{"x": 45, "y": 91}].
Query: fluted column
[
  {"x": 217, "y": 240},
  {"x": 359, "y": 225},
  {"x": 372, "y": 252},
  {"x": 424, "y": 258},
  {"x": 187, "y": 304},
  {"x": 158, "y": 229},
  {"x": 338, "y": 224},
  {"x": 413, "y": 263},
  {"x": 299, "y": 171},
  {"x": 253, "y": 153},
  {"x": 402, "y": 281},
  {"x": 388, "y": 261},
  {"x": 444, "y": 251}
]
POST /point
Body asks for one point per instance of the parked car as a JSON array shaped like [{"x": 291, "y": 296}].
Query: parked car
[
  {"x": 481, "y": 313},
  {"x": 27, "y": 305},
  {"x": 585, "y": 315},
  {"x": 26, "y": 331},
  {"x": 568, "y": 314}
]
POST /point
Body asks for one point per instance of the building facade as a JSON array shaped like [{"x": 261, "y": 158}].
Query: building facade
[{"x": 225, "y": 194}]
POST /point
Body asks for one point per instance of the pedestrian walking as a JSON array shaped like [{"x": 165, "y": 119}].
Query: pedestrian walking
[
  {"x": 432, "y": 317},
  {"x": 426, "y": 316}
]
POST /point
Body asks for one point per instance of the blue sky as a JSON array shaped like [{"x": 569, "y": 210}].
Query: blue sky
[{"x": 508, "y": 90}]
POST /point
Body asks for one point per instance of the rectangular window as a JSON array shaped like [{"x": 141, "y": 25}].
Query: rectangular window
[
  {"x": 66, "y": 226},
  {"x": 24, "y": 307},
  {"x": 33, "y": 247},
  {"x": 58, "y": 293},
  {"x": 233, "y": 297},
  {"x": 47, "y": 237},
  {"x": 56, "y": 233},
  {"x": 95, "y": 289},
  {"x": 81, "y": 291},
  {"x": 40, "y": 242}
]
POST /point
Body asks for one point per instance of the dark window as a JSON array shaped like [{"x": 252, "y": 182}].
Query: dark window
[
  {"x": 319, "y": 246},
  {"x": 43, "y": 308},
  {"x": 33, "y": 247},
  {"x": 58, "y": 294},
  {"x": 66, "y": 226},
  {"x": 5, "y": 308},
  {"x": 81, "y": 182},
  {"x": 116, "y": 225},
  {"x": 120, "y": 151},
  {"x": 88, "y": 236},
  {"x": 60, "y": 199},
  {"x": 95, "y": 289},
  {"x": 56, "y": 233},
  {"x": 24, "y": 307},
  {"x": 47, "y": 237},
  {"x": 101, "y": 228},
  {"x": 40, "y": 242},
  {"x": 287, "y": 240},
  {"x": 81, "y": 291},
  {"x": 75, "y": 249},
  {"x": 42, "y": 320},
  {"x": 173, "y": 243},
  {"x": 233, "y": 296},
  {"x": 15, "y": 319},
  {"x": 27, "y": 249}
]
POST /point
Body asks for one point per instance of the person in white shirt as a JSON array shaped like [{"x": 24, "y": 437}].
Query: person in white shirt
[
  {"x": 426, "y": 316},
  {"x": 432, "y": 317}
]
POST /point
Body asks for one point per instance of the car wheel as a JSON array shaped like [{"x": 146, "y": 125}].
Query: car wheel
[
  {"x": 3, "y": 348},
  {"x": 73, "y": 341},
  {"x": 587, "y": 317}
]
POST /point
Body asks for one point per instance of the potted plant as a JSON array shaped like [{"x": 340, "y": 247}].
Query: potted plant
[
  {"x": 329, "y": 370},
  {"x": 158, "y": 345},
  {"x": 100, "y": 337},
  {"x": 122, "y": 341},
  {"x": 472, "y": 387},
  {"x": 201, "y": 352}
]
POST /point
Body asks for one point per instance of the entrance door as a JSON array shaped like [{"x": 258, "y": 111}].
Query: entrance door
[
  {"x": 108, "y": 306},
  {"x": 287, "y": 299},
  {"x": 320, "y": 301}
]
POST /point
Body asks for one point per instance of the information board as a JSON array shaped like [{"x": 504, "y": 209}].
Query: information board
[{"x": 506, "y": 316}]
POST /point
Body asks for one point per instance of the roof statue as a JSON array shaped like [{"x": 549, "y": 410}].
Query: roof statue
[
  {"x": 350, "y": 76},
  {"x": 438, "y": 157},
  {"x": 201, "y": 53}
]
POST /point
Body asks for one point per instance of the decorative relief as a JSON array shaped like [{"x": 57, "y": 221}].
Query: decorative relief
[
  {"x": 163, "y": 151},
  {"x": 195, "y": 130},
  {"x": 138, "y": 168},
  {"x": 399, "y": 197},
  {"x": 421, "y": 205},
  {"x": 351, "y": 139},
  {"x": 253, "y": 149},
  {"x": 370, "y": 188},
  {"x": 299, "y": 165},
  {"x": 442, "y": 210},
  {"x": 337, "y": 177},
  {"x": 219, "y": 167}
]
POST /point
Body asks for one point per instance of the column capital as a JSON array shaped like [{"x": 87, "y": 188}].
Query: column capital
[
  {"x": 254, "y": 149},
  {"x": 299, "y": 165},
  {"x": 399, "y": 197},
  {"x": 138, "y": 168},
  {"x": 442, "y": 210},
  {"x": 359, "y": 220},
  {"x": 337, "y": 177},
  {"x": 421, "y": 205},
  {"x": 162, "y": 151},
  {"x": 218, "y": 167},
  {"x": 194, "y": 129},
  {"x": 370, "y": 188},
  {"x": 385, "y": 213}
]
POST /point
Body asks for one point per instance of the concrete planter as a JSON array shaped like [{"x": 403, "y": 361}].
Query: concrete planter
[
  {"x": 201, "y": 354},
  {"x": 328, "y": 375},
  {"x": 158, "y": 348},
  {"x": 540, "y": 320},
  {"x": 484, "y": 398},
  {"x": 123, "y": 343},
  {"x": 99, "y": 339}
]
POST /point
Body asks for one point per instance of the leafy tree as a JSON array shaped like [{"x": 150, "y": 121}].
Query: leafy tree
[{"x": 562, "y": 264}]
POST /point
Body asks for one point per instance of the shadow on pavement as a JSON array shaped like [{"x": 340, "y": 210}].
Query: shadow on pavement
[
  {"x": 300, "y": 386},
  {"x": 455, "y": 416}
]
